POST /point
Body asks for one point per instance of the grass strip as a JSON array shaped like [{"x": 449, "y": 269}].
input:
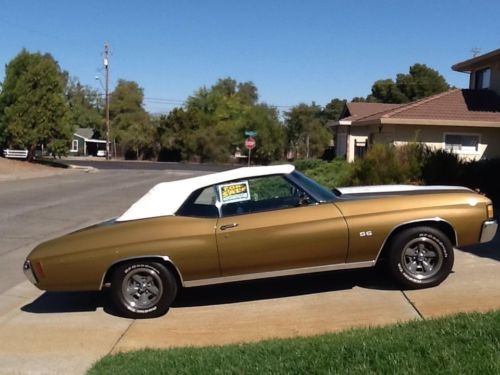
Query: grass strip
[{"x": 461, "y": 344}]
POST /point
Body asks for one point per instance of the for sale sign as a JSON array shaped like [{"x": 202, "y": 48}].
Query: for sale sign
[{"x": 234, "y": 192}]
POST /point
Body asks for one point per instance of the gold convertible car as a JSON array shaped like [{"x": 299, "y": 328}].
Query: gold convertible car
[{"x": 259, "y": 222}]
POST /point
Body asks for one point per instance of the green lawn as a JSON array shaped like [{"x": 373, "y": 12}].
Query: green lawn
[{"x": 462, "y": 344}]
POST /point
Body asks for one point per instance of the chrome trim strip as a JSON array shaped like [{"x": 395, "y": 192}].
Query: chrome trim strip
[
  {"x": 436, "y": 219},
  {"x": 488, "y": 231},
  {"x": 162, "y": 257},
  {"x": 28, "y": 272},
  {"x": 264, "y": 275}
]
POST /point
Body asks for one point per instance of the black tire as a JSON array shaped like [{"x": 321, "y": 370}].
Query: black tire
[
  {"x": 420, "y": 257},
  {"x": 143, "y": 290}
]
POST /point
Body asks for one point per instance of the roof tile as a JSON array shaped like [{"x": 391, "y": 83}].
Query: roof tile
[{"x": 459, "y": 105}]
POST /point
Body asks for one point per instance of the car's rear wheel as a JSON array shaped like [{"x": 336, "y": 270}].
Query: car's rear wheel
[
  {"x": 143, "y": 289},
  {"x": 420, "y": 257}
]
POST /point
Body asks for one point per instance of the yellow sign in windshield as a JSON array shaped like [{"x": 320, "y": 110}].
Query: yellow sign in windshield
[{"x": 235, "y": 192}]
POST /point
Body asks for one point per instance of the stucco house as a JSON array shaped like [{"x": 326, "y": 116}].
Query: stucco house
[
  {"x": 86, "y": 142},
  {"x": 463, "y": 121}
]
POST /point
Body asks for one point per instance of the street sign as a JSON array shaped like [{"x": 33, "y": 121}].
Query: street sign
[
  {"x": 250, "y": 133},
  {"x": 249, "y": 143}
]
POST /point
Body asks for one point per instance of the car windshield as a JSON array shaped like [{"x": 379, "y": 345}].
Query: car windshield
[{"x": 317, "y": 191}]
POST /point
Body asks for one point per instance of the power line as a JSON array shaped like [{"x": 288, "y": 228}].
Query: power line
[{"x": 180, "y": 102}]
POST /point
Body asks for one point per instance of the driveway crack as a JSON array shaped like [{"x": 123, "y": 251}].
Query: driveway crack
[
  {"x": 120, "y": 338},
  {"x": 412, "y": 305}
]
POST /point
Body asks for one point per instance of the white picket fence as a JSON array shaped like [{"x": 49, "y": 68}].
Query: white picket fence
[{"x": 15, "y": 154}]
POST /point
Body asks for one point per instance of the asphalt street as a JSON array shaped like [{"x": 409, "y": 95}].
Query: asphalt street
[
  {"x": 35, "y": 210},
  {"x": 103, "y": 164}
]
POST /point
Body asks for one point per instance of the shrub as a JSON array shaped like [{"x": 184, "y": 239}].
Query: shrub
[
  {"x": 441, "y": 167},
  {"x": 306, "y": 164},
  {"x": 388, "y": 164},
  {"x": 332, "y": 174},
  {"x": 483, "y": 175}
]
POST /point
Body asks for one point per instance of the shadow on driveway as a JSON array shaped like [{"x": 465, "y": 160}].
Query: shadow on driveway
[
  {"x": 489, "y": 250},
  {"x": 281, "y": 287},
  {"x": 65, "y": 302},
  {"x": 68, "y": 302}
]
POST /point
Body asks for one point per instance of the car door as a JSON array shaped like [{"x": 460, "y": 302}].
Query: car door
[{"x": 268, "y": 224}]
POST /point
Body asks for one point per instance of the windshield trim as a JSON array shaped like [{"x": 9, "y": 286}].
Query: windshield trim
[{"x": 320, "y": 193}]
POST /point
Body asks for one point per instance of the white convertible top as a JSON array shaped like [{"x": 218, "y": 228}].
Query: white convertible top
[{"x": 165, "y": 198}]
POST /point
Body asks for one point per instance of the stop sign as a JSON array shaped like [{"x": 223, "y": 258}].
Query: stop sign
[{"x": 249, "y": 143}]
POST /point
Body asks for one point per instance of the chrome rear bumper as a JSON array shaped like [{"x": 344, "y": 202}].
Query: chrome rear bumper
[
  {"x": 488, "y": 231},
  {"x": 28, "y": 272}
]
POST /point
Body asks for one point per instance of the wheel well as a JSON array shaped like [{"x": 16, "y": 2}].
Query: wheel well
[
  {"x": 440, "y": 225},
  {"x": 169, "y": 265}
]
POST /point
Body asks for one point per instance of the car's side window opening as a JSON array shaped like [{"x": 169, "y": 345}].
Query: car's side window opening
[
  {"x": 263, "y": 194},
  {"x": 202, "y": 203}
]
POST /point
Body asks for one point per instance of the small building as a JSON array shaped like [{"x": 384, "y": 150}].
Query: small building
[
  {"x": 87, "y": 142},
  {"x": 465, "y": 122}
]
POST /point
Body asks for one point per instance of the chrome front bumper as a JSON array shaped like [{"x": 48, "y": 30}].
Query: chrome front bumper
[
  {"x": 488, "y": 231},
  {"x": 28, "y": 272}
]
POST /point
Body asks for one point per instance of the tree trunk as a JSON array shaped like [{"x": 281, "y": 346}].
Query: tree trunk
[
  {"x": 307, "y": 147},
  {"x": 31, "y": 153}
]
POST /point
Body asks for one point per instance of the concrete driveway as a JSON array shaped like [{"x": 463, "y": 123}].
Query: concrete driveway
[{"x": 66, "y": 332}]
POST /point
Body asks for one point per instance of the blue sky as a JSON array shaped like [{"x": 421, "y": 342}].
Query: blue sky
[{"x": 294, "y": 51}]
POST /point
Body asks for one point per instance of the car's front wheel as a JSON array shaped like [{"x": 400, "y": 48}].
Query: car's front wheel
[
  {"x": 143, "y": 289},
  {"x": 420, "y": 257}
]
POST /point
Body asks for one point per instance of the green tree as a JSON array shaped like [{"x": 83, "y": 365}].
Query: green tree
[
  {"x": 130, "y": 123},
  {"x": 306, "y": 133},
  {"x": 211, "y": 126},
  {"x": 333, "y": 109},
  {"x": 386, "y": 91},
  {"x": 420, "y": 82},
  {"x": 85, "y": 106},
  {"x": 270, "y": 139},
  {"x": 359, "y": 99},
  {"x": 33, "y": 109}
]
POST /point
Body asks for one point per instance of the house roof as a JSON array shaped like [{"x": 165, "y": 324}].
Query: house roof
[
  {"x": 475, "y": 62},
  {"x": 357, "y": 110},
  {"x": 453, "y": 107},
  {"x": 86, "y": 133}
]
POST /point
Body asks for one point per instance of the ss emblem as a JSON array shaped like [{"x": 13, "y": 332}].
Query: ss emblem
[{"x": 368, "y": 233}]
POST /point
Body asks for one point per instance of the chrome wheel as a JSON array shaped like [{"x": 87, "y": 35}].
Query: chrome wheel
[
  {"x": 142, "y": 288},
  {"x": 422, "y": 258}
]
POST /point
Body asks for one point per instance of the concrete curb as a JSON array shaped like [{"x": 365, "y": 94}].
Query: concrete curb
[{"x": 85, "y": 168}]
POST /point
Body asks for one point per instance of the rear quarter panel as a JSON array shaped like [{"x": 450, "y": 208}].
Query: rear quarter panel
[
  {"x": 380, "y": 216},
  {"x": 79, "y": 260}
]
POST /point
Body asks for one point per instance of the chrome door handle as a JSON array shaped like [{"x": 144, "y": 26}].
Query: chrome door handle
[{"x": 228, "y": 226}]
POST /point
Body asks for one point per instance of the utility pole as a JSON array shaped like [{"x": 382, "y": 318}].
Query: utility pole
[{"x": 106, "y": 89}]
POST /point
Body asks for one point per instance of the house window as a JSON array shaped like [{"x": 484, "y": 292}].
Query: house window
[
  {"x": 483, "y": 78},
  {"x": 74, "y": 145},
  {"x": 462, "y": 143},
  {"x": 360, "y": 148}
]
